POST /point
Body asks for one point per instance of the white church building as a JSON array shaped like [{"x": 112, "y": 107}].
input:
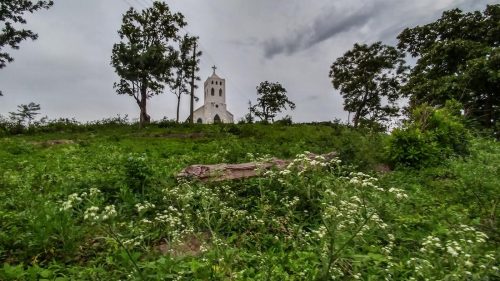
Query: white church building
[{"x": 214, "y": 109}]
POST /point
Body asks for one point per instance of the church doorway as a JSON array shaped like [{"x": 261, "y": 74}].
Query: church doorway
[
  {"x": 217, "y": 119},
  {"x": 199, "y": 121}
]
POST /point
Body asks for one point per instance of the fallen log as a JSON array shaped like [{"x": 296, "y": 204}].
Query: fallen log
[{"x": 220, "y": 172}]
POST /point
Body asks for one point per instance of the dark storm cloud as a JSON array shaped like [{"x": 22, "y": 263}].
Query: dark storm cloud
[{"x": 326, "y": 26}]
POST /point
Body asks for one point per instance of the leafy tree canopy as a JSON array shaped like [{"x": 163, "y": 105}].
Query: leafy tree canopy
[
  {"x": 271, "y": 100},
  {"x": 458, "y": 58},
  {"x": 11, "y": 13},
  {"x": 366, "y": 76},
  {"x": 146, "y": 55}
]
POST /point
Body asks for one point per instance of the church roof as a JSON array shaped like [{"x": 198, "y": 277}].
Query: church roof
[{"x": 215, "y": 76}]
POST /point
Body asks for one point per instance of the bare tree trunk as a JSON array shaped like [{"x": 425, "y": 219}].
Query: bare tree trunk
[
  {"x": 178, "y": 106},
  {"x": 191, "y": 105},
  {"x": 356, "y": 117},
  {"x": 144, "y": 117},
  {"x": 358, "y": 110}
]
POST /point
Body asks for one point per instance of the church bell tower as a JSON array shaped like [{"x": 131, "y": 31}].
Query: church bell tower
[{"x": 214, "y": 109}]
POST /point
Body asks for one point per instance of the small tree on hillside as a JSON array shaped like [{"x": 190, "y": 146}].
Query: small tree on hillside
[
  {"x": 12, "y": 12},
  {"x": 249, "y": 117},
  {"x": 366, "y": 75},
  {"x": 184, "y": 66},
  {"x": 25, "y": 112},
  {"x": 145, "y": 57},
  {"x": 271, "y": 100}
]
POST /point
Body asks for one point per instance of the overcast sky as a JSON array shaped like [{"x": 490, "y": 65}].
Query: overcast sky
[{"x": 294, "y": 42}]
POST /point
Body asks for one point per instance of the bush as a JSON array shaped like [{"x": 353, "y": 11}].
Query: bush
[
  {"x": 410, "y": 147},
  {"x": 138, "y": 171},
  {"x": 287, "y": 121},
  {"x": 430, "y": 136}
]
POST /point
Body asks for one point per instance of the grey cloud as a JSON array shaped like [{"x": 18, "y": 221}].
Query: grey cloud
[{"x": 323, "y": 28}]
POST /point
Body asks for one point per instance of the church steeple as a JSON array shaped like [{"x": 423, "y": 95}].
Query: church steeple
[
  {"x": 214, "y": 75},
  {"x": 214, "y": 109}
]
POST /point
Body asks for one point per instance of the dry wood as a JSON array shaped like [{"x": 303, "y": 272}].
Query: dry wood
[{"x": 220, "y": 172}]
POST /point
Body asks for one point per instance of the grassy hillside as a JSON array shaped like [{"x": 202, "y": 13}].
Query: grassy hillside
[{"x": 103, "y": 203}]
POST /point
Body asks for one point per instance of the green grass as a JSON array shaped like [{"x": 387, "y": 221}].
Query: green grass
[{"x": 319, "y": 221}]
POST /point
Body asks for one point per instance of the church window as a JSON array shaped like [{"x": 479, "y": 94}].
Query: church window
[
  {"x": 212, "y": 82},
  {"x": 216, "y": 83},
  {"x": 221, "y": 82},
  {"x": 216, "y": 106},
  {"x": 213, "y": 92},
  {"x": 220, "y": 92}
]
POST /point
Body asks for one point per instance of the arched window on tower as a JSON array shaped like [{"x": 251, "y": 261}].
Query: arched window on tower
[
  {"x": 213, "y": 92},
  {"x": 220, "y": 92}
]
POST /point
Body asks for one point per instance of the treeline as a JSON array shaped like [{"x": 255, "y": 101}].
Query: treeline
[{"x": 457, "y": 58}]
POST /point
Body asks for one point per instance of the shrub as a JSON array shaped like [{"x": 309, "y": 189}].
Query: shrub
[
  {"x": 430, "y": 136},
  {"x": 287, "y": 121},
  {"x": 137, "y": 172},
  {"x": 410, "y": 147}
]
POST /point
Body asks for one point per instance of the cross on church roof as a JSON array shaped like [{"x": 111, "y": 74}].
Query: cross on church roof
[{"x": 214, "y": 68}]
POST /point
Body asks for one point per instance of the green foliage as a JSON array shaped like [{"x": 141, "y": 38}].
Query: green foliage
[
  {"x": 430, "y": 136},
  {"x": 458, "y": 58},
  {"x": 137, "y": 171},
  {"x": 287, "y": 120},
  {"x": 366, "y": 75},
  {"x": 271, "y": 100},
  {"x": 78, "y": 211},
  {"x": 145, "y": 57},
  {"x": 412, "y": 148},
  {"x": 12, "y": 13}
]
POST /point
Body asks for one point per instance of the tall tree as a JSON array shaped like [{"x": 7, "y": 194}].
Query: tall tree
[
  {"x": 12, "y": 12},
  {"x": 194, "y": 68},
  {"x": 146, "y": 54},
  {"x": 271, "y": 100},
  {"x": 367, "y": 76},
  {"x": 184, "y": 67},
  {"x": 458, "y": 57}
]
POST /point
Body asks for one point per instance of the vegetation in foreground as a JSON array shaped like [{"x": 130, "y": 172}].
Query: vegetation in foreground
[{"x": 105, "y": 205}]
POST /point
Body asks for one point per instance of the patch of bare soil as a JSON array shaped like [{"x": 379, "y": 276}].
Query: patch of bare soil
[
  {"x": 190, "y": 245},
  {"x": 382, "y": 168}
]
